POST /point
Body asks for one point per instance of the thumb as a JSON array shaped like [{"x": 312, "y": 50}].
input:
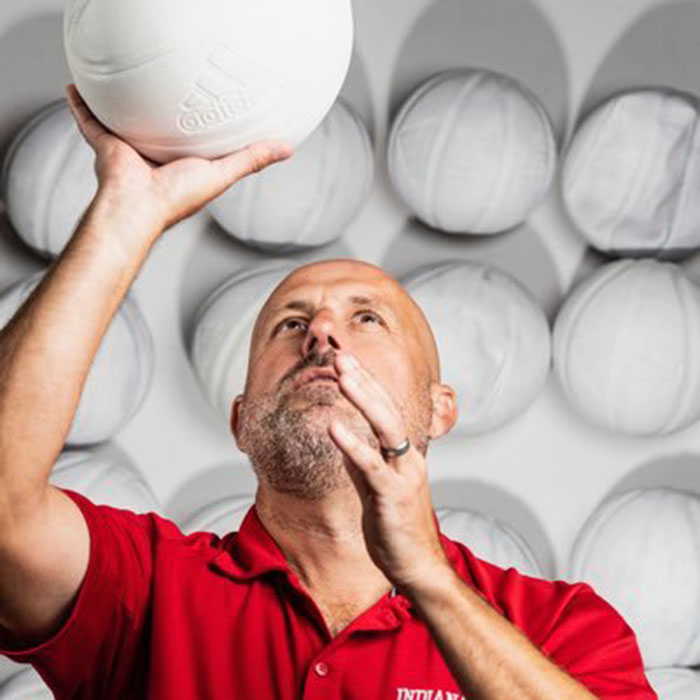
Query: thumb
[{"x": 252, "y": 159}]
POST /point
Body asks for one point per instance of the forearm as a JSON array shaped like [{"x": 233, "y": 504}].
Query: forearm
[
  {"x": 48, "y": 347},
  {"x": 488, "y": 656}
]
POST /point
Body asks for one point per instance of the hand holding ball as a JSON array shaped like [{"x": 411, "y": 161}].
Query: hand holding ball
[{"x": 175, "y": 78}]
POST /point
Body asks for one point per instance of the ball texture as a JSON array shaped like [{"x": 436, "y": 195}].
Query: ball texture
[
  {"x": 489, "y": 539},
  {"x": 176, "y": 78},
  {"x": 119, "y": 377},
  {"x": 472, "y": 151},
  {"x": 221, "y": 517},
  {"x": 223, "y": 329},
  {"x": 626, "y": 343},
  {"x": 492, "y": 337},
  {"x": 308, "y": 200},
  {"x": 674, "y": 683},
  {"x": 631, "y": 173},
  {"x": 641, "y": 552},
  {"x": 48, "y": 179}
]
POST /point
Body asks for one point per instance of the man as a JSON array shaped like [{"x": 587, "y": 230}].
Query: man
[{"x": 339, "y": 583}]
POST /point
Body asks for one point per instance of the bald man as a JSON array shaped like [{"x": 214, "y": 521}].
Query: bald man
[{"x": 339, "y": 583}]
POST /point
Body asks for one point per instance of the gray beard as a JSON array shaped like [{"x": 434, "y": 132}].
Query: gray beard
[{"x": 288, "y": 444}]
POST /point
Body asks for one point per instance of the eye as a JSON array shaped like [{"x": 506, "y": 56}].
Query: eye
[
  {"x": 365, "y": 313},
  {"x": 284, "y": 324}
]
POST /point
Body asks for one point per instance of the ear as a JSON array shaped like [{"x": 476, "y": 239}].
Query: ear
[
  {"x": 236, "y": 420},
  {"x": 445, "y": 410}
]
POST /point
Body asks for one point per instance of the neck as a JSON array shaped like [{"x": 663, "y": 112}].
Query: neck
[{"x": 323, "y": 542}]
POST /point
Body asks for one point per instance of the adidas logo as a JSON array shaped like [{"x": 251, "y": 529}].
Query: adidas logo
[{"x": 229, "y": 87}]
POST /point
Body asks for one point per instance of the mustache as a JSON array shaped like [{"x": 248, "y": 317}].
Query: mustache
[{"x": 312, "y": 360}]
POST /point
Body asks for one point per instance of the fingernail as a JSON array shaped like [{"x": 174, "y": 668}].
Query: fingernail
[{"x": 280, "y": 152}]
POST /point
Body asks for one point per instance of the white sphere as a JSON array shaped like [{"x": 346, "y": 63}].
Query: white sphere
[
  {"x": 25, "y": 685},
  {"x": 631, "y": 173},
  {"x": 641, "y": 552},
  {"x": 48, "y": 179},
  {"x": 176, "y": 78},
  {"x": 472, "y": 151},
  {"x": 119, "y": 377},
  {"x": 626, "y": 343},
  {"x": 221, "y": 517},
  {"x": 674, "y": 683},
  {"x": 104, "y": 479},
  {"x": 223, "y": 328},
  {"x": 308, "y": 200},
  {"x": 489, "y": 539},
  {"x": 493, "y": 339}
]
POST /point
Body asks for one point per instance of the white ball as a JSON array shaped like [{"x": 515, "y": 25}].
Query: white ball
[
  {"x": 119, "y": 377},
  {"x": 220, "y": 517},
  {"x": 104, "y": 479},
  {"x": 25, "y": 685},
  {"x": 493, "y": 339},
  {"x": 489, "y": 539},
  {"x": 626, "y": 343},
  {"x": 308, "y": 200},
  {"x": 472, "y": 151},
  {"x": 176, "y": 78},
  {"x": 224, "y": 328},
  {"x": 631, "y": 173},
  {"x": 641, "y": 552},
  {"x": 674, "y": 683},
  {"x": 48, "y": 179}
]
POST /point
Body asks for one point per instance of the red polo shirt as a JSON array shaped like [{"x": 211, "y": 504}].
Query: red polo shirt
[{"x": 163, "y": 615}]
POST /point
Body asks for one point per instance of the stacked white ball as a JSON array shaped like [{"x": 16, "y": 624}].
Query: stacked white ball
[
  {"x": 626, "y": 343},
  {"x": 48, "y": 179},
  {"x": 492, "y": 337},
  {"x": 220, "y": 517},
  {"x": 641, "y": 552},
  {"x": 25, "y": 685},
  {"x": 104, "y": 479},
  {"x": 489, "y": 539},
  {"x": 308, "y": 200},
  {"x": 119, "y": 377},
  {"x": 223, "y": 329},
  {"x": 675, "y": 683},
  {"x": 632, "y": 172},
  {"x": 205, "y": 79},
  {"x": 472, "y": 151}
]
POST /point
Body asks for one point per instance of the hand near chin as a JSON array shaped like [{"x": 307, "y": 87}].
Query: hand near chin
[
  {"x": 164, "y": 194},
  {"x": 398, "y": 521}
]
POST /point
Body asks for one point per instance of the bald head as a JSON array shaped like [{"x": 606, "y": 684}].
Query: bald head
[{"x": 369, "y": 279}]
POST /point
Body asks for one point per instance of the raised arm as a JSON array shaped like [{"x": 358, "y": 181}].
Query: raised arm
[{"x": 48, "y": 347}]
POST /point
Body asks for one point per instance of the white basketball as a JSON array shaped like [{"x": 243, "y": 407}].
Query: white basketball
[
  {"x": 178, "y": 78},
  {"x": 223, "y": 329},
  {"x": 119, "y": 377},
  {"x": 308, "y": 200},
  {"x": 492, "y": 337},
  {"x": 221, "y": 517},
  {"x": 489, "y": 539},
  {"x": 674, "y": 683},
  {"x": 626, "y": 343},
  {"x": 48, "y": 179},
  {"x": 630, "y": 176},
  {"x": 25, "y": 685},
  {"x": 104, "y": 478},
  {"x": 641, "y": 552},
  {"x": 472, "y": 151}
]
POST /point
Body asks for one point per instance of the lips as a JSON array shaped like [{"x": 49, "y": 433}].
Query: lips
[{"x": 315, "y": 375}]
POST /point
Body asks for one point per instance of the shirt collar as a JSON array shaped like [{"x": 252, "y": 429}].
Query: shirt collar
[{"x": 253, "y": 552}]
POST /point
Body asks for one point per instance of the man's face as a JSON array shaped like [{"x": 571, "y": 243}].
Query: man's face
[{"x": 317, "y": 310}]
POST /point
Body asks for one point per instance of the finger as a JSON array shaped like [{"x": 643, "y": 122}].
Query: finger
[
  {"x": 251, "y": 159},
  {"x": 379, "y": 477},
  {"x": 88, "y": 124},
  {"x": 362, "y": 388}
]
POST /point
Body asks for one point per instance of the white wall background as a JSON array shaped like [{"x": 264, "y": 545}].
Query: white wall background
[{"x": 547, "y": 470}]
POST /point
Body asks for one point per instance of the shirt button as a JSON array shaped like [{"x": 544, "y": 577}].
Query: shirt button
[{"x": 321, "y": 669}]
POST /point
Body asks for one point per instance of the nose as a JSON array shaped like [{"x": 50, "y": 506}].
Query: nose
[{"x": 321, "y": 335}]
